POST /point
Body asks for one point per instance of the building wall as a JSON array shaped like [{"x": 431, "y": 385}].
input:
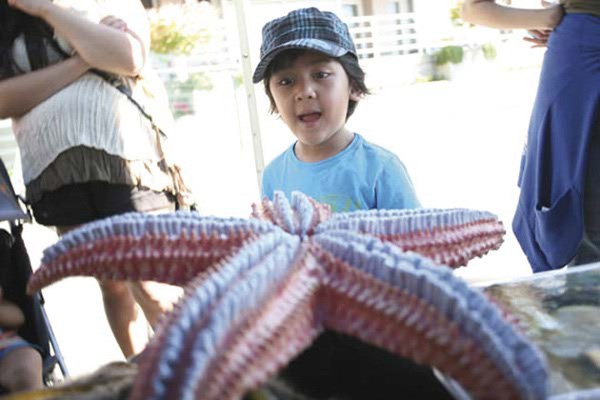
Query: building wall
[
  {"x": 379, "y": 7},
  {"x": 367, "y": 6}
]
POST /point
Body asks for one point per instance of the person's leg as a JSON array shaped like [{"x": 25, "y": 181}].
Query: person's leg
[
  {"x": 21, "y": 369},
  {"x": 120, "y": 298},
  {"x": 72, "y": 205},
  {"x": 155, "y": 298},
  {"x": 126, "y": 322}
]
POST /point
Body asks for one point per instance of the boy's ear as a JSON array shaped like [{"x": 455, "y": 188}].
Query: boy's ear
[{"x": 355, "y": 93}]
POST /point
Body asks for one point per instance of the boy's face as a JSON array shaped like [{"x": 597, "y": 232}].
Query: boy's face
[{"x": 311, "y": 96}]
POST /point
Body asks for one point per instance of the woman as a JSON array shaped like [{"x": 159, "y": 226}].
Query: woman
[
  {"x": 86, "y": 150},
  {"x": 557, "y": 221}
]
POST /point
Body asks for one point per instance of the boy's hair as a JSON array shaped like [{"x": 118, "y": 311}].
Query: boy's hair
[{"x": 355, "y": 73}]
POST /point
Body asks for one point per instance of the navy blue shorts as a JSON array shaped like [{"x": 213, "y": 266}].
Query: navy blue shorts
[{"x": 9, "y": 344}]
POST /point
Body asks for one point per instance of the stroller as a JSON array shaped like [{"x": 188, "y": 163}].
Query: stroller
[{"x": 15, "y": 270}]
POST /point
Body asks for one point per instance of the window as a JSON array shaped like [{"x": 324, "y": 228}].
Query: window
[
  {"x": 400, "y": 6},
  {"x": 349, "y": 10}
]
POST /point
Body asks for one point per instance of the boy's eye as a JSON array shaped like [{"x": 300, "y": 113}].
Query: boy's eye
[
  {"x": 322, "y": 75},
  {"x": 284, "y": 82}
]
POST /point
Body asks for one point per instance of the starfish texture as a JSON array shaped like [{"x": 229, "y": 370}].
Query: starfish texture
[{"x": 260, "y": 290}]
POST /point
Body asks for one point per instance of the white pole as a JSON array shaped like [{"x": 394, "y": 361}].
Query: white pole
[{"x": 259, "y": 162}]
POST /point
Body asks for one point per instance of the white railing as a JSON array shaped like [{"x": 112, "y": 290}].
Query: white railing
[
  {"x": 375, "y": 36},
  {"x": 385, "y": 35}
]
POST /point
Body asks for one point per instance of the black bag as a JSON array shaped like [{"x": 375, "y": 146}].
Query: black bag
[{"x": 9, "y": 209}]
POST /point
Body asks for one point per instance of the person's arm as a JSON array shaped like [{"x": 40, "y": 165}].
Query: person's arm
[
  {"x": 21, "y": 93},
  {"x": 490, "y": 14},
  {"x": 118, "y": 51},
  {"x": 11, "y": 316}
]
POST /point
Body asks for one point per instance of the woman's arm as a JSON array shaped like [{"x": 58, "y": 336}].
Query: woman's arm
[
  {"x": 21, "y": 93},
  {"x": 102, "y": 46},
  {"x": 488, "y": 13}
]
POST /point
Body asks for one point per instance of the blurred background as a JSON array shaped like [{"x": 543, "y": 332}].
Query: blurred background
[{"x": 450, "y": 99}]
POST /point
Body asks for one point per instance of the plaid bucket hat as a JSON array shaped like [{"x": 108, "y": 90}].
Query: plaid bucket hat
[{"x": 306, "y": 28}]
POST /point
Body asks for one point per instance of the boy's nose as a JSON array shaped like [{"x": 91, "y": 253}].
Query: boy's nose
[{"x": 305, "y": 92}]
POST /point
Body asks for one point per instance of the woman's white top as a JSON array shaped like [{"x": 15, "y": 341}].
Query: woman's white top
[{"x": 88, "y": 112}]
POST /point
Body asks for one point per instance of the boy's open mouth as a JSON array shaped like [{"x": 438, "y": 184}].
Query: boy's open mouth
[{"x": 309, "y": 117}]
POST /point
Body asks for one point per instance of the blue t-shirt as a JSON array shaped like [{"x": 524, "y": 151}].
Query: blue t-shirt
[{"x": 363, "y": 176}]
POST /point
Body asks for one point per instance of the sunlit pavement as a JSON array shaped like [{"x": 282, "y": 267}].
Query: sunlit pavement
[{"x": 460, "y": 141}]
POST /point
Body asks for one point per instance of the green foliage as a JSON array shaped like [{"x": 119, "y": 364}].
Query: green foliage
[
  {"x": 195, "y": 81},
  {"x": 181, "y": 93},
  {"x": 178, "y": 29},
  {"x": 489, "y": 51},
  {"x": 456, "y": 15},
  {"x": 238, "y": 80},
  {"x": 449, "y": 54},
  {"x": 166, "y": 38},
  {"x": 199, "y": 81},
  {"x": 425, "y": 78}
]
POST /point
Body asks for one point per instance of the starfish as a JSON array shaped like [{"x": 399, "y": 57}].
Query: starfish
[{"x": 259, "y": 291}]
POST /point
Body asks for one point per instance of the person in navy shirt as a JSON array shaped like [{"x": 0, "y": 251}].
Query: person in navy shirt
[{"x": 557, "y": 221}]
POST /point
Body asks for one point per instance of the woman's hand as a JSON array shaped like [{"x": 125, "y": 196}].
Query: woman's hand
[
  {"x": 119, "y": 24},
  {"x": 35, "y": 8},
  {"x": 538, "y": 37},
  {"x": 114, "y": 22},
  {"x": 553, "y": 14},
  {"x": 112, "y": 45}
]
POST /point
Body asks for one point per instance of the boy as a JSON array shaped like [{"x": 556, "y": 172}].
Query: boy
[{"x": 313, "y": 80}]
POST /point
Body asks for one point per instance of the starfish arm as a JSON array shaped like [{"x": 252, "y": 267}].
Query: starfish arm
[
  {"x": 402, "y": 302},
  {"x": 449, "y": 237},
  {"x": 299, "y": 216},
  {"x": 170, "y": 248},
  {"x": 268, "y": 338},
  {"x": 193, "y": 334}
]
